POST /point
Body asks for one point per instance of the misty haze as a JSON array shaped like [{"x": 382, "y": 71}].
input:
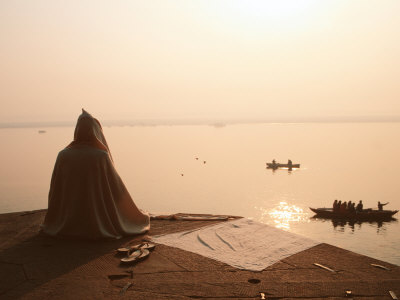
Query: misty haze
[{"x": 172, "y": 149}]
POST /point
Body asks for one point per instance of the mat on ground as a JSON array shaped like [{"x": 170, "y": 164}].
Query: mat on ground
[{"x": 242, "y": 243}]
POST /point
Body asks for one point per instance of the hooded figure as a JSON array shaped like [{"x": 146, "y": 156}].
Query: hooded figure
[{"x": 87, "y": 198}]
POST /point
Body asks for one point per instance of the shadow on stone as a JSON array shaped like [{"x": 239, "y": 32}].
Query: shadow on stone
[{"x": 32, "y": 259}]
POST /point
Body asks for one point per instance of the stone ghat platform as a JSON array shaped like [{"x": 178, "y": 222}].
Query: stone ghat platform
[{"x": 34, "y": 266}]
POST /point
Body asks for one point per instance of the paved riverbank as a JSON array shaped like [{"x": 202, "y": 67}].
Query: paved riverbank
[{"x": 34, "y": 266}]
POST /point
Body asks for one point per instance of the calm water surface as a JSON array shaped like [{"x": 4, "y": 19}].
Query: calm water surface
[{"x": 338, "y": 161}]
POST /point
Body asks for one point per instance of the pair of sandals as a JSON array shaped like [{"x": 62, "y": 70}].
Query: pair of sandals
[{"x": 136, "y": 253}]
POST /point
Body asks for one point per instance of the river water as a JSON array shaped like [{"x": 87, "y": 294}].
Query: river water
[{"x": 221, "y": 170}]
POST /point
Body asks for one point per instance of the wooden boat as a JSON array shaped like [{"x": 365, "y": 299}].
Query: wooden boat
[
  {"x": 367, "y": 214},
  {"x": 278, "y": 165}
]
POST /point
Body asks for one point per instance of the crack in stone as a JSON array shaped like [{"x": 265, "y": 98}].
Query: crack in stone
[
  {"x": 167, "y": 258},
  {"x": 25, "y": 274},
  {"x": 11, "y": 263}
]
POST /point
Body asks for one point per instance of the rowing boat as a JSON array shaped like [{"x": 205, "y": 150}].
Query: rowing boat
[
  {"x": 366, "y": 214},
  {"x": 278, "y": 165}
]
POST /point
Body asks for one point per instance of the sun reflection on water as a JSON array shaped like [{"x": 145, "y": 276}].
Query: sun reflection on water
[{"x": 283, "y": 215}]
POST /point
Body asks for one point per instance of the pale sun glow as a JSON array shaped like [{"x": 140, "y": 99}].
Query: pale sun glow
[
  {"x": 276, "y": 10},
  {"x": 253, "y": 17}
]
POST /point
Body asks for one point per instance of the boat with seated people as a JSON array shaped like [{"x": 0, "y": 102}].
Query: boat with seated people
[
  {"x": 279, "y": 165},
  {"x": 366, "y": 214}
]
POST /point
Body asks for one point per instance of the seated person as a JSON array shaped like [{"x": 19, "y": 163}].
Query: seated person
[
  {"x": 360, "y": 206},
  {"x": 351, "y": 207},
  {"x": 343, "y": 207},
  {"x": 335, "y": 206},
  {"x": 339, "y": 205},
  {"x": 87, "y": 198}
]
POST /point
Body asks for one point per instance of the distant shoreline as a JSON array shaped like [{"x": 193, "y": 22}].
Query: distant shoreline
[{"x": 208, "y": 122}]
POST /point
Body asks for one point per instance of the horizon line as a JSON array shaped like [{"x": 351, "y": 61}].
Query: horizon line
[{"x": 218, "y": 122}]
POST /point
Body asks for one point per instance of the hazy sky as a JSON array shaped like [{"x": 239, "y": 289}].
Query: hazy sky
[{"x": 198, "y": 59}]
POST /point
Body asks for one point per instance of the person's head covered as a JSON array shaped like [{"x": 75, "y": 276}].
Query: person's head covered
[{"x": 88, "y": 131}]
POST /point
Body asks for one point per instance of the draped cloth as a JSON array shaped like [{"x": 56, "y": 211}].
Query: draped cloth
[
  {"x": 242, "y": 243},
  {"x": 87, "y": 198}
]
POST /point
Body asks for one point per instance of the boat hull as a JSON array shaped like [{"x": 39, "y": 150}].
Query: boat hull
[
  {"x": 367, "y": 214},
  {"x": 276, "y": 166}
]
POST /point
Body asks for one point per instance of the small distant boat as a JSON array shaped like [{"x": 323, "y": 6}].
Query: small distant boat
[
  {"x": 365, "y": 215},
  {"x": 42, "y": 131},
  {"x": 278, "y": 165}
]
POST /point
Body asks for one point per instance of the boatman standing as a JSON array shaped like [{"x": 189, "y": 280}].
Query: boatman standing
[{"x": 381, "y": 205}]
